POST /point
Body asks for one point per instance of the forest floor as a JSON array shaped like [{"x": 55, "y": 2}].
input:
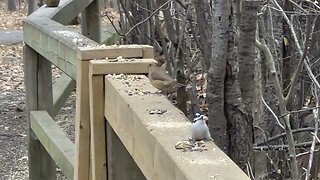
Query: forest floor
[{"x": 13, "y": 125}]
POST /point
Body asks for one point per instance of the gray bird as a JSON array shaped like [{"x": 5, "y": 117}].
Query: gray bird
[{"x": 199, "y": 129}]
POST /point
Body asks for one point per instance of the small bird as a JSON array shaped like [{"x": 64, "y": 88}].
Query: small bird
[
  {"x": 160, "y": 79},
  {"x": 199, "y": 128}
]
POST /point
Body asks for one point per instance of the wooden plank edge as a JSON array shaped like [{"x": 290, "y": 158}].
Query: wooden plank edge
[
  {"x": 140, "y": 66},
  {"x": 59, "y": 13},
  {"x": 148, "y": 51},
  {"x": 82, "y": 124},
  {"x": 97, "y": 125},
  {"x": 57, "y": 144},
  {"x": 125, "y": 51}
]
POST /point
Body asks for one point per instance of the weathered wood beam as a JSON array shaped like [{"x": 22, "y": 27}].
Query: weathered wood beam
[
  {"x": 56, "y": 43},
  {"x": 64, "y": 13},
  {"x": 82, "y": 127},
  {"x": 41, "y": 165},
  {"x": 98, "y": 131},
  {"x": 151, "y": 139},
  {"x": 62, "y": 88},
  {"x": 136, "y": 66},
  {"x": 91, "y": 21},
  {"x": 114, "y": 51},
  {"x": 57, "y": 144}
]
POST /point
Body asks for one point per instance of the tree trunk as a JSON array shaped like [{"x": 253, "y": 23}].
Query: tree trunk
[
  {"x": 204, "y": 21},
  {"x": 32, "y": 6},
  {"x": 239, "y": 120},
  {"x": 247, "y": 57},
  {"x": 11, "y": 5},
  {"x": 217, "y": 73}
]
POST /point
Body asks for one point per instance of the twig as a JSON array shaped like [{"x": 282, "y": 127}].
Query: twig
[
  {"x": 299, "y": 7},
  {"x": 298, "y": 111},
  {"x": 303, "y": 56},
  {"x": 294, "y": 35},
  {"x": 274, "y": 114},
  {"x": 313, "y": 3},
  {"x": 181, "y": 35},
  {"x": 282, "y": 147},
  {"x": 114, "y": 25},
  {"x": 307, "y": 152},
  {"x": 182, "y": 4},
  {"x": 249, "y": 170},
  {"x": 272, "y": 34},
  {"x": 315, "y": 134},
  {"x": 282, "y": 106},
  {"x": 316, "y": 137},
  {"x": 150, "y": 16},
  {"x": 283, "y": 134}
]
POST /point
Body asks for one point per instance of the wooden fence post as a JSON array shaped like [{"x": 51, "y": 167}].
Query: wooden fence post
[
  {"x": 97, "y": 125},
  {"x": 82, "y": 127},
  {"x": 91, "y": 21},
  {"x": 90, "y": 27},
  {"x": 38, "y": 83}
]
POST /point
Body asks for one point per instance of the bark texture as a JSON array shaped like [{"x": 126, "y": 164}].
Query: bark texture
[{"x": 216, "y": 74}]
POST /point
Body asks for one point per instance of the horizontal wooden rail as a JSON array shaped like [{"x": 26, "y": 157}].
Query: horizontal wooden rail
[
  {"x": 137, "y": 66},
  {"x": 55, "y": 42},
  {"x": 64, "y": 13},
  {"x": 114, "y": 51},
  {"x": 57, "y": 144},
  {"x": 65, "y": 48},
  {"x": 62, "y": 88},
  {"x": 151, "y": 139}
]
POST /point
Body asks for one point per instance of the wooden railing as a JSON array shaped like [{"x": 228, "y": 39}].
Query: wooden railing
[{"x": 116, "y": 137}]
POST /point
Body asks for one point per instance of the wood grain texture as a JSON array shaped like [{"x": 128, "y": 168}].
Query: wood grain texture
[
  {"x": 82, "y": 127},
  {"x": 54, "y": 140},
  {"x": 137, "y": 66},
  {"x": 97, "y": 124},
  {"x": 41, "y": 165},
  {"x": 111, "y": 52}
]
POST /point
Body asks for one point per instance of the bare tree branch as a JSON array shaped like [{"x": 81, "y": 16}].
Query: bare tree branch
[
  {"x": 294, "y": 35},
  {"x": 282, "y": 147},
  {"x": 301, "y": 110},
  {"x": 114, "y": 27},
  {"x": 284, "y": 134},
  {"x": 150, "y": 16},
  {"x": 274, "y": 114},
  {"x": 282, "y": 105},
  {"x": 315, "y": 133},
  {"x": 304, "y": 54}
]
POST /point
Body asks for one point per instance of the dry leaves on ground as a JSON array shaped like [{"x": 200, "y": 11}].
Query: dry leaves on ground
[{"x": 12, "y": 20}]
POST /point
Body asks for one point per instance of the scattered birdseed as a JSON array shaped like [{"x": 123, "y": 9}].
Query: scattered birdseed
[
  {"x": 191, "y": 145},
  {"x": 156, "y": 111}
]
